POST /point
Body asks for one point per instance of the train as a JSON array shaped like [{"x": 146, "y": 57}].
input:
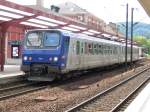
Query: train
[{"x": 49, "y": 54}]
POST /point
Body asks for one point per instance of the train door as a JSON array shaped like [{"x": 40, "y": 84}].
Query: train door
[
  {"x": 74, "y": 54},
  {"x": 0, "y": 50},
  {"x": 118, "y": 52},
  {"x": 101, "y": 54},
  {"x": 78, "y": 54},
  {"x": 82, "y": 56},
  {"x": 0, "y": 54}
]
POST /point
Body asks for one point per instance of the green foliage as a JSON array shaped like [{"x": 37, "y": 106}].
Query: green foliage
[
  {"x": 141, "y": 40},
  {"x": 144, "y": 42}
]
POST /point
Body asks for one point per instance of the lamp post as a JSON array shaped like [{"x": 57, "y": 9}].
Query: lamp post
[
  {"x": 131, "y": 56},
  {"x": 126, "y": 37}
]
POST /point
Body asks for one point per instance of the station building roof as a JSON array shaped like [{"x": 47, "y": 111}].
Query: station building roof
[
  {"x": 15, "y": 14},
  {"x": 146, "y": 5}
]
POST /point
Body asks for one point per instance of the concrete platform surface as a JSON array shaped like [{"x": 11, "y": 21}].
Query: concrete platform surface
[
  {"x": 142, "y": 102},
  {"x": 11, "y": 73},
  {"x": 11, "y": 69}
]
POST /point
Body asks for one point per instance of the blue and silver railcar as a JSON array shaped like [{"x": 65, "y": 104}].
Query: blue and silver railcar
[{"x": 49, "y": 54}]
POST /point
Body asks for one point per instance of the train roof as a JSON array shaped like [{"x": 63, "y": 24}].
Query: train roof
[{"x": 84, "y": 37}]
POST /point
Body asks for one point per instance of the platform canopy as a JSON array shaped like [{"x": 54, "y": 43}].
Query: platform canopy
[
  {"x": 146, "y": 5},
  {"x": 18, "y": 15}
]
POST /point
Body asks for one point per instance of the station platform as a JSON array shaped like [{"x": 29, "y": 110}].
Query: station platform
[
  {"x": 11, "y": 73},
  {"x": 142, "y": 102}
]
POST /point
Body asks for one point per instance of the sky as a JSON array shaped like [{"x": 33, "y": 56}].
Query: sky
[{"x": 108, "y": 10}]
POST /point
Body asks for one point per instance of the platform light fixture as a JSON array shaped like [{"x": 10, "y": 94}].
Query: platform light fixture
[
  {"x": 106, "y": 35},
  {"x": 94, "y": 31},
  {"x": 15, "y": 10},
  {"x": 42, "y": 22},
  {"x": 34, "y": 25},
  {"x": 122, "y": 39},
  {"x": 77, "y": 27},
  {"x": 69, "y": 28},
  {"x": 88, "y": 33},
  {"x": 8, "y": 14},
  {"x": 114, "y": 37},
  {"x": 50, "y": 20},
  {"x": 5, "y": 19}
]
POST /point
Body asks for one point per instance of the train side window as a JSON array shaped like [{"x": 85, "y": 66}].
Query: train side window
[
  {"x": 97, "y": 52},
  {"x": 90, "y": 46},
  {"x": 78, "y": 48},
  {"x": 109, "y": 50},
  {"x": 104, "y": 49},
  {"x": 82, "y": 48},
  {"x": 92, "y": 49},
  {"x": 115, "y": 50},
  {"x": 99, "y": 49},
  {"x": 85, "y": 48},
  {"x": 95, "y": 49}
]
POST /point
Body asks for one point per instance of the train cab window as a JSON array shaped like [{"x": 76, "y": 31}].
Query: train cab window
[
  {"x": 34, "y": 39},
  {"x": 78, "y": 48},
  {"x": 51, "y": 39}
]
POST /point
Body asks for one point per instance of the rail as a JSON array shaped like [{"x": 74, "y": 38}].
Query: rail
[{"x": 90, "y": 100}]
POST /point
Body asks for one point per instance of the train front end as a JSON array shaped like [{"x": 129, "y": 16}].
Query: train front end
[{"x": 44, "y": 55}]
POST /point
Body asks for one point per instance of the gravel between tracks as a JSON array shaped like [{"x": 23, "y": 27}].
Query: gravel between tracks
[
  {"x": 110, "y": 100},
  {"x": 67, "y": 95}
]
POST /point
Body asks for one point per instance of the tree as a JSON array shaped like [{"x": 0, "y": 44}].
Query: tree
[{"x": 144, "y": 42}]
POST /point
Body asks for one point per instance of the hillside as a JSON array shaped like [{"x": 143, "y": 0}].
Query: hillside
[{"x": 140, "y": 29}]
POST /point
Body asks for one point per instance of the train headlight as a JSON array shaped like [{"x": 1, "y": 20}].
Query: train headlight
[
  {"x": 30, "y": 58},
  {"x": 50, "y": 59},
  {"x": 25, "y": 58},
  {"x": 55, "y": 59}
]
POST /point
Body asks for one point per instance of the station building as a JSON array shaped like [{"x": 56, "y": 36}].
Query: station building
[
  {"x": 15, "y": 34},
  {"x": 13, "y": 44},
  {"x": 73, "y": 11}
]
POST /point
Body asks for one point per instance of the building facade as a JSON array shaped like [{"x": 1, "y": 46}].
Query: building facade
[
  {"x": 73, "y": 11},
  {"x": 13, "y": 44}
]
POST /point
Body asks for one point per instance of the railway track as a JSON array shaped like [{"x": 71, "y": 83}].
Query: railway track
[
  {"x": 91, "y": 105},
  {"x": 125, "y": 102},
  {"x": 19, "y": 89}
]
